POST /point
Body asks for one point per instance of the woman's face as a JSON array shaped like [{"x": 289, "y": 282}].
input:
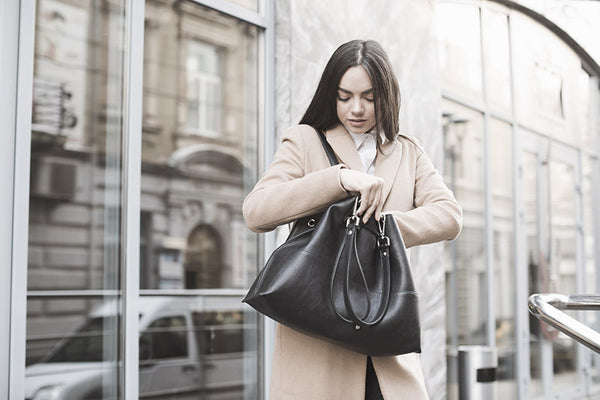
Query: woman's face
[{"x": 355, "y": 102}]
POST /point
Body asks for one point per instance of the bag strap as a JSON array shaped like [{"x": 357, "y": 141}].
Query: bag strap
[
  {"x": 350, "y": 239},
  {"x": 327, "y": 147},
  {"x": 383, "y": 263}
]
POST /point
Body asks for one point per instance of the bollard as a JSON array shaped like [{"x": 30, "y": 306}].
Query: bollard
[{"x": 477, "y": 367}]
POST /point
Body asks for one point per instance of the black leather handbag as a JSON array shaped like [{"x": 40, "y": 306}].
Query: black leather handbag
[{"x": 343, "y": 281}]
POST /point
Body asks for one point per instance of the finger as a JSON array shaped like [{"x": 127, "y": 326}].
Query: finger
[
  {"x": 379, "y": 207},
  {"x": 364, "y": 201},
  {"x": 368, "y": 214},
  {"x": 371, "y": 208},
  {"x": 379, "y": 201}
]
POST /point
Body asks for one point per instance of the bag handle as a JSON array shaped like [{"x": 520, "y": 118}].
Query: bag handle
[
  {"x": 383, "y": 263},
  {"x": 383, "y": 246}
]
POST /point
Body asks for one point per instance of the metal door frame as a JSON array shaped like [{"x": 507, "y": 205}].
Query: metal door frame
[
  {"x": 545, "y": 151},
  {"x": 17, "y": 19}
]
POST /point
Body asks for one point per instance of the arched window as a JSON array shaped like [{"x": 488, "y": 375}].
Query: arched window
[{"x": 203, "y": 259}]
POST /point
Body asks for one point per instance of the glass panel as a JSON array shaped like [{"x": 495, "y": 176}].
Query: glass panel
[
  {"x": 548, "y": 81},
  {"x": 460, "y": 49},
  {"x": 75, "y": 200},
  {"x": 497, "y": 59},
  {"x": 563, "y": 268},
  {"x": 466, "y": 270},
  {"x": 199, "y": 148},
  {"x": 199, "y": 160},
  {"x": 535, "y": 257},
  {"x": 249, "y": 4},
  {"x": 501, "y": 169},
  {"x": 587, "y": 90},
  {"x": 197, "y": 347},
  {"x": 590, "y": 171}
]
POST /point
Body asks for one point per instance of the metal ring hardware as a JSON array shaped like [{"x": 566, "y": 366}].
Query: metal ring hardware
[{"x": 353, "y": 220}]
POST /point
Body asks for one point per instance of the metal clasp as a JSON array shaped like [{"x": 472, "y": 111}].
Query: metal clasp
[
  {"x": 311, "y": 223},
  {"x": 353, "y": 220},
  {"x": 383, "y": 241},
  {"x": 381, "y": 224}
]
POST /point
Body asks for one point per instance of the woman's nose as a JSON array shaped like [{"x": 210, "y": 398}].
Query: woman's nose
[{"x": 357, "y": 107}]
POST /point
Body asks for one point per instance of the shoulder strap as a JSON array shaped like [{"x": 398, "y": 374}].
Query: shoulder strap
[{"x": 327, "y": 147}]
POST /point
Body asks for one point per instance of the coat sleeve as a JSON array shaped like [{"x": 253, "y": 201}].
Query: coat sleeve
[
  {"x": 436, "y": 215},
  {"x": 286, "y": 191}
]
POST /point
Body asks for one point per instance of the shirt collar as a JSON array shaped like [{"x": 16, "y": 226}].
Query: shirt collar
[{"x": 359, "y": 138}]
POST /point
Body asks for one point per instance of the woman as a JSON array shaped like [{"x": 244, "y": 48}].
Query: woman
[{"x": 356, "y": 105}]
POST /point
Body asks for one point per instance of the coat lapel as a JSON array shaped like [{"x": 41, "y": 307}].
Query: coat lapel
[
  {"x": 387, "y": 161},
  {"x": 344, "y": 147},
  {"x": 387, "y": 164}
]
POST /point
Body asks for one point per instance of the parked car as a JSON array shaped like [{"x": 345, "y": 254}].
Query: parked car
[{"x": 190, "y": 348}]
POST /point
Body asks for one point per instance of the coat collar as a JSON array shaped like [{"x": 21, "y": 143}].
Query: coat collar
[{"x": 387, "y": 161}]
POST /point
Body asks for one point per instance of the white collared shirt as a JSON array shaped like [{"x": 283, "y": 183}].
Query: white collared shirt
[{"x": 367, "y": 149}]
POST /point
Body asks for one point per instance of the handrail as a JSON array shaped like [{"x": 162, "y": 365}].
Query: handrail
[{"x": 546, "y": 307}]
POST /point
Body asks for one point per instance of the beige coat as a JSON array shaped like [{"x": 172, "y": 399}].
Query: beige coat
[{"x": 300, "y": 182}]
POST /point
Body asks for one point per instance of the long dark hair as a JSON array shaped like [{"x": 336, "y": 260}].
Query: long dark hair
[{"x": 322, "y": 111}]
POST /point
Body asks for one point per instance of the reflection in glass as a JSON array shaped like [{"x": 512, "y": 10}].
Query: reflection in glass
[
  {"x": 547, "y": 81},
  {"x": 549, "y": 86},
  {"x": 497, "y": 59},
  {"x": 564, "y": 264},
  {"x": 460, "y": 48},
  {"x": 466, "y": 271},
  {"x": 199, "y": 148},
  {"x": 249, "y": 4},
  {"x": 502, "y": 221},
  {"x": 536, "y": 271},
  {"x": 590, "y": 171},
  {"x": 199, "y": 160},
  {"x": 204, "y": 69},
  {"x": 75, "y": 199},
  {"x": 585, "y": 88},
  {"x": 76, "y": 358},
  {"x": 197, "y": 347}
]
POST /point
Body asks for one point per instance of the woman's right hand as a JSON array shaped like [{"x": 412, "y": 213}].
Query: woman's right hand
[{"x": 368, "y": 187}]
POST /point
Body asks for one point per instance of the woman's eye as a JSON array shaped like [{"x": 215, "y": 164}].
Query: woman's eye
[
  {"x": 344, "y": 99},
  {"x": 370, "y": 100}
]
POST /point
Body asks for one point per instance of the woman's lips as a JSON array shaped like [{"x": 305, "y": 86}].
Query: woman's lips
[{"x": 356, "y": 122}]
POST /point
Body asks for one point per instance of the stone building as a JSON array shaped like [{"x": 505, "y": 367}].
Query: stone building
[{"x": 146, "y": 124}]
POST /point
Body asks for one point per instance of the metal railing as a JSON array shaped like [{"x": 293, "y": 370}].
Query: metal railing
[{"x": 546, "y": 307}]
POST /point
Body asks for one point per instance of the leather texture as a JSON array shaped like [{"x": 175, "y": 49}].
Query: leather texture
[{"x": 343, "y": 281}]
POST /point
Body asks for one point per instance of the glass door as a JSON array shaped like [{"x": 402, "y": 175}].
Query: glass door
[
  {"x": 566, "y": 261},
  {"x": 549, "y": 262},
  {"x": 75, "y": 246}
]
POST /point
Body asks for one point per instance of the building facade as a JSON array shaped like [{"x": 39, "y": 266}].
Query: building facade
[{"x": 136, "y": 128}]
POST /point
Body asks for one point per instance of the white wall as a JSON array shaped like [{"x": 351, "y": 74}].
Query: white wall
[{"x": 307, "y": 33}]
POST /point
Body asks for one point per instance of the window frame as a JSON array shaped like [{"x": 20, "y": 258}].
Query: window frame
[{"x": 17, "y": 32}]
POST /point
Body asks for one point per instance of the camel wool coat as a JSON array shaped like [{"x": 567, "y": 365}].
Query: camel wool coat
[{"x": 301, "y": 182}]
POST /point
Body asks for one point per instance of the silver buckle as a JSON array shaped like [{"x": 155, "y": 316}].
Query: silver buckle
[{"x": 353, "y": 220}]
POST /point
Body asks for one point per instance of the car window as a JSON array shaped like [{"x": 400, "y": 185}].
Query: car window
[
  {"x": 219, "y": 332},
  {"x": 165, "y": 338},
  {"x": 85, "y": 345}
]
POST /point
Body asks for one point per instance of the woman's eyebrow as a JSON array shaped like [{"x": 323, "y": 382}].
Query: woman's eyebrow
[{"x": 368, "y": 91}]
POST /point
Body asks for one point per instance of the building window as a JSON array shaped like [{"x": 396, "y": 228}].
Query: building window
[
  {"x": 549, "y": 86},
  {"x": 203, "y": 259},
  {"x": 205, "y": 89}
]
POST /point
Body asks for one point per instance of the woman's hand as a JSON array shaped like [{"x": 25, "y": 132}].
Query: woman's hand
[{"x": 370, "y": 189}]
